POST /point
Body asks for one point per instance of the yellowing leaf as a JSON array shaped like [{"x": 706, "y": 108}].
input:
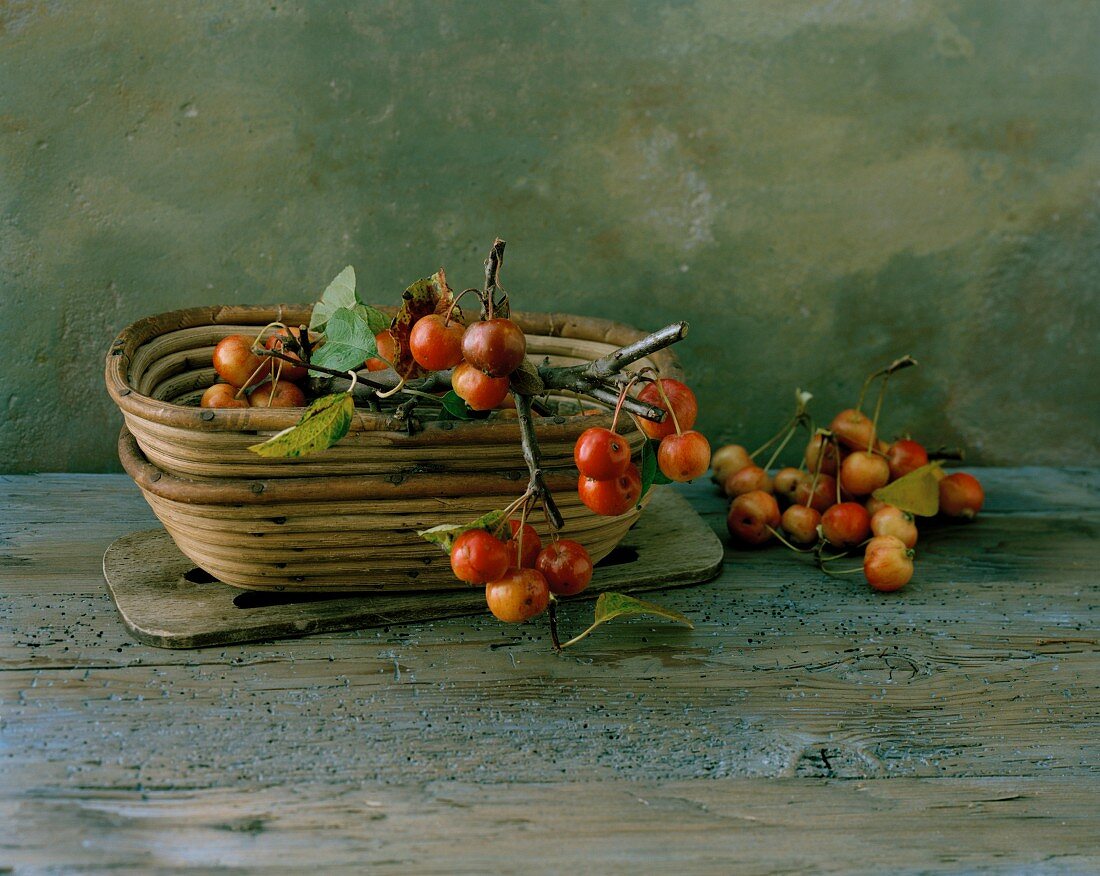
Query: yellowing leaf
[
  {"x": 324, "y": 423},
  {"x": 430, "y": 295},
  {"x": 445, "y": 534},
  {"x": 612, "y": 605},
  {"x": 917, "y": 492}
]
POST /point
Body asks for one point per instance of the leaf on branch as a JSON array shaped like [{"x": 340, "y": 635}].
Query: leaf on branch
[
  {"x": 349, "y": 341},
  {"x": 376, "y": 319},
  {"x": 917, "y": 492},
  {"x": 445, "y": 534},
  {"x": 340, "y": 293},
  {"x": 649, "y": 469},
  {"x": 430, "y": 295},
  {"x": 456, "y": 407},
  {"x": 526, "y": 380},
  {"x": 324, "y": 423}
]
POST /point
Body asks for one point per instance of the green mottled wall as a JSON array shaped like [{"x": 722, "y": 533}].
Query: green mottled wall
[{"x": 816, "y": 187}]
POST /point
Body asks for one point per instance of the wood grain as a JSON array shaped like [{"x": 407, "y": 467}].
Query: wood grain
[{"x": 805, "y": 725}]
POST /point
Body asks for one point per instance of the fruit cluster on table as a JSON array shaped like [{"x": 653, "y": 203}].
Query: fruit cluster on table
[{"x": 851, "y": 491}]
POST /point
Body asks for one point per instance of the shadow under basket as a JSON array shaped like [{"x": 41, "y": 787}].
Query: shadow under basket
[{"x": 345, "y": 519}]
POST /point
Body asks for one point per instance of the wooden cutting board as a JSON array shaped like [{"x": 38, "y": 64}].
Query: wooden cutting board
[{"x": 164, "y": 600}]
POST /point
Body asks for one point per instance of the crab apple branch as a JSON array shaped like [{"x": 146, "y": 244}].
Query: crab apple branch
[{"x": 533, "y": 457}]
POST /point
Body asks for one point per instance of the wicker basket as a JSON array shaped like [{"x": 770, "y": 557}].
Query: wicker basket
[{"x": 344, "y": 519}]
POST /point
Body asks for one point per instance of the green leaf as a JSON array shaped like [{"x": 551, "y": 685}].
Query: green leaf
[
  {"x": 445, "y": 534},
  {"x": 612, "y": 605},
  {"x": 526, "y": 380},
  {"x": 456, "y": 407},
  {"x": 649, "y": 469},
  {"x": 324, "y": 423},
  {"x": 340, "y": 293},
  {"x": 376, "y": 319},
  {"x": 349, "y": 342},
  {"x": 917, "y": 492}
]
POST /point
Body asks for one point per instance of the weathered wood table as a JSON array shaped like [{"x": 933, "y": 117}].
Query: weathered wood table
[{"x": 806, "y": 725}]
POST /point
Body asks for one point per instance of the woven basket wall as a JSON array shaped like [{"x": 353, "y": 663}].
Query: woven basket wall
[{"x": 344, "y": 519}]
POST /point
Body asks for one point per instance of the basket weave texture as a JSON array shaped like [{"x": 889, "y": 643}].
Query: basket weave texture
[{"x": 345, "y": 519}]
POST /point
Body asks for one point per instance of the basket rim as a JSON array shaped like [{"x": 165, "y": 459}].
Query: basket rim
[{"x": 133, "y": 403}]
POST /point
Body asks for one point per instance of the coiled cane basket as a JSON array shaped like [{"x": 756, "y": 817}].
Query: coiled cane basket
[{"x": 345, "y": 519}]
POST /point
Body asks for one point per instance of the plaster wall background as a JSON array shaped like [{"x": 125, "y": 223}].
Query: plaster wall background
[{"x": 816, "y": 187}]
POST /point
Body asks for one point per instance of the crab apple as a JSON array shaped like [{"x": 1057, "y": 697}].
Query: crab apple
[
  {"x": 436, "y": 343},
  {"x": 480, "y": 391},
  {"x": 785, "y": 483},
  {"x": 495, "y": 346},
  {"x": 683, "y": 404},
  {"x": 236, "y": 363},
  {"x": 518, "y": 595},
  {"x": 478, "y": 557},
  {"x": 751, "y": 477},
  {"x": 685, "y": 456},
  {"x": 904, "y": 456},
  {"x": 845, "y": 525},
  {"x": 961, "y": 495},
  {"x": 821, "y": 447},
  {"x": 601, "y": 454},
  {"x": 611, "y": 497},
  {"x": 887, "y": 563},
  {"x": 532, "y": 544},
  {"x": 283, "y": 394},
  {"x": 727, "y": 459},
  {"x": 853, "y": 429},
  {"x": 752, "y": 516},
  {"x": 386, "y": 345},
  {"x": 278, "y": 342},
  {"x": 889, "y": 520},
  {"x": 800, "y": 522},
  {"x": 222, "y": 395},
  {"x": 566, "y": 566},
  {"x": 823, "y": 495},
  {"x": 863, "y": 472}
]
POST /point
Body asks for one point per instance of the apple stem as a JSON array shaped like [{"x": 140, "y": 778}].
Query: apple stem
[
  {"x": 552, "y": 615},
  {"x": 668, "y": 404},
  {"x": 622, "y": 398},
  {"x": 779, "y": 536},
  {"x": 878, "y": 410},
  {"x": 454, "y": 304}
]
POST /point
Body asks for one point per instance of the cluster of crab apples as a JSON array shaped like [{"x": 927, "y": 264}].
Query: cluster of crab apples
[
  {"x": 252, "y": 380},
  {"x": 609, "y": 483},
  {"x": 827, "y": 504},
  {"x": 481, "y": 355}
]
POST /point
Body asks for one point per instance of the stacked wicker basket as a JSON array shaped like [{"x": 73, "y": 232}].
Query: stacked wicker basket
[{"x": 347, "y": 518}]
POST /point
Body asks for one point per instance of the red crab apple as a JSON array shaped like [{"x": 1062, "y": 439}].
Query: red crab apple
[
  {"x": 478, "y": 557},
  {"x": 887, "y": 563},
  {"x": 566, "y": 566},
  {"x": 518, "y": 595},
  {"x": 752, "y": 517},
  {"x": 961, "y": 495},
  {"x": 612, "y": 497},
  {"x": 683, "y": 403},
  {"x": 495, "y": 346}
]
